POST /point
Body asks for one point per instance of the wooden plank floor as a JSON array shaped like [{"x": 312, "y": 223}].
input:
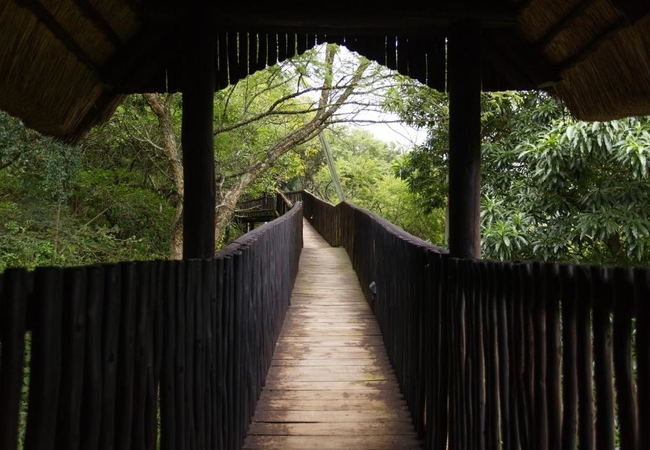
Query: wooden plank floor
[{"x": 330, "y": 385}]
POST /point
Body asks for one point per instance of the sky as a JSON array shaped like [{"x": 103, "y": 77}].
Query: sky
[
  {"x": 394, "y": 131},
  {"x": 400, "y": 133}
]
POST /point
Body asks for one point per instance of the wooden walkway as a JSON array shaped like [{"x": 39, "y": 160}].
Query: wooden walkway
[{"x": 330, "y": 385}]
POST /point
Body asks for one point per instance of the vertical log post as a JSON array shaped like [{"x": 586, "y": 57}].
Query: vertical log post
[
  {"x": 197, "y": 139},
  {"x": 464, "y": 85}
]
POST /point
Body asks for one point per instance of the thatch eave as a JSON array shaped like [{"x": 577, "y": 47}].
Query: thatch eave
[{"x": 65, "y": 65}]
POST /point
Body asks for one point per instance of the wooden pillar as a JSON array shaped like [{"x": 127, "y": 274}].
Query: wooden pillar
[
  {"x": 464, "y": 85},
  {"x": 197, "y": 138}
]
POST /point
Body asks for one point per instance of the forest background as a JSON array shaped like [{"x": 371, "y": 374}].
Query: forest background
[{"x": 553, "y": 188}]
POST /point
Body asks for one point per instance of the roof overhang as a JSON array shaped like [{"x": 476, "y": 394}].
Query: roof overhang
[{"x": 65, "y": 65}]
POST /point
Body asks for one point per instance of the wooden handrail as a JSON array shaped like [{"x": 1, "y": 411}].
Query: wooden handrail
[
  {"x": 115, "y": 346},
  {"x": 494, "y": 354},
  {"x": 487, "y": 353}
]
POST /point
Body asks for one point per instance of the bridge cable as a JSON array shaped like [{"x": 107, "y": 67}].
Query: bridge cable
[{"x": 330, "y": 164}]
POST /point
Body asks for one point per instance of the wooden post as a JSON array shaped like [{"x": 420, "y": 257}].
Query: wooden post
[
  {"x": 197, "y": 139},
  {"x": 464, "y": 85}
]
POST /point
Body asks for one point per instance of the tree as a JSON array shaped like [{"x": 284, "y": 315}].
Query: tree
[
  {"x": 259, "y": 121},
  {"x": 554, "y": 188},
  {"x": 315, "y": 117},
  {"x": 69, "y": 205},
  {"x": 588, "y": 195},
  {"x": 162, "y": 108},
  {"x": 366, "y": 169},
  {"x": 126, "y": 184},
  {"x": 35, "y": 172}
]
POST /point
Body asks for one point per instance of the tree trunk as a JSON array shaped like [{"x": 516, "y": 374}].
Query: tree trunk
[
  {"x": 225, "y": 210},
  {"x": 163, "y": 113},
  {"x": 176, "y": 242}
]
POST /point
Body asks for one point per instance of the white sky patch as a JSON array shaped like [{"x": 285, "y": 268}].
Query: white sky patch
[{"x": 400, "y": 133}]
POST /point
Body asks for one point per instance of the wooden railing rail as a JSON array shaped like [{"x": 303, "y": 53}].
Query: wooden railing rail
[
  {"x": 488, "y": 354},
  {"x": 145, "y": 355},
  {"x": 266, "y": 208},
  {"x": 259, "y": 210},
  {"x": 268, "y": 202}
]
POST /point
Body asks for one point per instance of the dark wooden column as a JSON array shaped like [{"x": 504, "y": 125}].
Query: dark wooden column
[
  {"x": 197, "y": 139},
  {"x": 464, "y": 84}
]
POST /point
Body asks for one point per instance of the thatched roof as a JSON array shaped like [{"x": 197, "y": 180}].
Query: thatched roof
[{"x": 65, "y": 64}]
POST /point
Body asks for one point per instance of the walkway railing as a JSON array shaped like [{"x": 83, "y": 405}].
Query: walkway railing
[
  {"x": 488, "y": 354},
  {"x": 266, "y": 208},
  {"x": 504, "y": 355},
  {"x": 141, "y": 354}
]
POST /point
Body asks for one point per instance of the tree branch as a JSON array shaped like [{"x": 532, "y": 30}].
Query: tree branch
[{"x": 270, "y": 111}]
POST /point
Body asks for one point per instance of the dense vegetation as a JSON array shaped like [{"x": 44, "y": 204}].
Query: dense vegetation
[
  {"x": 366, "y": 168},
  {"x": 553, "y": 188},
  {"x": 63, "y": 205},
  {"x": 117, "y": 194}
]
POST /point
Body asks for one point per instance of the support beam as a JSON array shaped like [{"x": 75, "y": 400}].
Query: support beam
[
  {"x": 464, "y": 85},
  {"x": 133, "y": 65},
  {"x": 330, "y": 163},
  {"x": 358, "y": 18},
  {"x": 197, "y": 139}
]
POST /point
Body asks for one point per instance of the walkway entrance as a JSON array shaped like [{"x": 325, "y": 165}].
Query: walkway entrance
[{"x": 330, "y": 385}]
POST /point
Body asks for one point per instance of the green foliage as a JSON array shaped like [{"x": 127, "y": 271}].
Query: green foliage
[
  {"x": 258, "y": 112},
  {"x": 118, "y": 200},
  {"x": 553, "y": 188},
  {"x": 590, "y": 180},
  {"x": 365, "y": 168},
  {"x": 424, "y": 168},
  {"x": 64, "y": 205},
  {"x": 44, "y": 166},
  {"x": 116, "y": 195},
  {"x": 33, "y": 237}
]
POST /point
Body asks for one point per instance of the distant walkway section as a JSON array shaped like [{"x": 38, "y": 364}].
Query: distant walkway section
[{"x": 330, "y": 385}]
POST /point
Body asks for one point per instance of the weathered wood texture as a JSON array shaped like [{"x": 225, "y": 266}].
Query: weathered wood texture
[
  {"x": 198, "y": 137},
  {"x": 486, "y": 354},
  {"x": 265, "y": 209},
  {"x": 112, "y": 348},
  {"x": 258, "y": 210},
  {"x": 493, "y": 355},
  {"x": 464, "y": 213},
  {"x": 330, "y": 385}
]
